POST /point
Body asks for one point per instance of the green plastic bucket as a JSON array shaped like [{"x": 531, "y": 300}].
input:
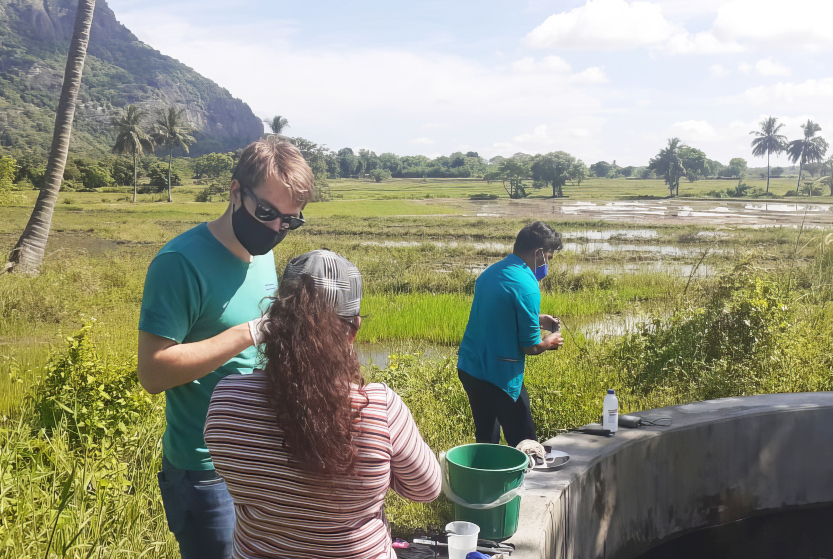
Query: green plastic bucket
[{"x": 481, "y": 474}]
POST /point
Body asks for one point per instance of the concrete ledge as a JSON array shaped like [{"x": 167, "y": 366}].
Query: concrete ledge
[{"x": 719, "y": 461}]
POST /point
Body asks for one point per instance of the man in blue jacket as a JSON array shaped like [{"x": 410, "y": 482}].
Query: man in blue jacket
[{"x": 504, "y": 327}]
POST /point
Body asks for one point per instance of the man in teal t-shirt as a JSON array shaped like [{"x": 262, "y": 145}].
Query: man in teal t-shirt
[
  {"x": 504, "y": 327},
  {"x": 205, "y": 293}
]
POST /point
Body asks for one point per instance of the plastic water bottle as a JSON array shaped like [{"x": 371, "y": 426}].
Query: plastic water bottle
[{"x": 610, "y": 413}]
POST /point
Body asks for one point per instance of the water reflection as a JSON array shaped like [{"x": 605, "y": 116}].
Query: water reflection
[
  {"x": 580, "y": 247},
  {"x": 378, "y": 354}
]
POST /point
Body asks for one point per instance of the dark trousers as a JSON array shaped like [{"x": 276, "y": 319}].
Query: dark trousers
[
  {"x": 199, "y": 510},
  {"x": 492, "y": 408}
]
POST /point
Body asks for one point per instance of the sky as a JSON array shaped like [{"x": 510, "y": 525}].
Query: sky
[{"x": 599, "y": 79}]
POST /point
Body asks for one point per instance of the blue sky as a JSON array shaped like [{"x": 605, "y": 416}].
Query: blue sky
[{"x": 601, "y": 79}]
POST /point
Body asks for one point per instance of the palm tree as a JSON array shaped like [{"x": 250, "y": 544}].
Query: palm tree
[
  {"x": 27, "y": 254},
  {"x": 768, "y": 141},
  {"x": 171, "y": 132},
  {"x": 669, "y": 164},
  {"x": 827, "y": 167},
  {"x": 810, "y": 148},
  {"x": 277, "y": 124},
  {"x": 132, "y": 139}
]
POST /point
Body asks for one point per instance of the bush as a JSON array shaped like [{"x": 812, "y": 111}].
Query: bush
[
  {"x": 96, "y": 176},
  {"x": 217, "y": 191},
  {"x": 380, "y": 174},
  {"x": 8, "y": 167},
  {"x": 159, "y": 178},
  {"x": 96, "y": 399},
  {"x": 213, "y": 165},
  {"x": 483, "y": 196},
  {"x": 122, "y": 172},
  {"x": 723, "y": 348}
]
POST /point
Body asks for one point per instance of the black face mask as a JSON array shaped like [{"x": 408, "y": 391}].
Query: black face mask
[{"x": 256, "y": 237}]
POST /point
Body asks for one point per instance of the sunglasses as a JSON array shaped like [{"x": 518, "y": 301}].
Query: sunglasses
[{"x": 265, "y": 211}]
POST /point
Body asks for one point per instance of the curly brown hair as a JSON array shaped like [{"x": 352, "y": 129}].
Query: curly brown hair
[{"x": 310, "y": 366}]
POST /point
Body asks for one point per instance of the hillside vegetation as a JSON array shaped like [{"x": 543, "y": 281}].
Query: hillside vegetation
[{"x": 119, "y": 70}]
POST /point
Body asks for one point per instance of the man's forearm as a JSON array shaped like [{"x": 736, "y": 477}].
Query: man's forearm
[
  {"x": 164, "y": 364},
  {"x": 538, "y": 348},
  {"x": 553, "y": 341}
]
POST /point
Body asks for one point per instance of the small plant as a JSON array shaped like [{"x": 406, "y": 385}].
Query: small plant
[
  {"x": 216, "y": 191},
  {"x": 96, "y": 399},
  {"x": 68, "y": 201},
  {"x": 719, "y": 349}
]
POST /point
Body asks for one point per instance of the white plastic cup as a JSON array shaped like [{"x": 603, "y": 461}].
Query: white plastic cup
[{"x": 462, "y": 538}]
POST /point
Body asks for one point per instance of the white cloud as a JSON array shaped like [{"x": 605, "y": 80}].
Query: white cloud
[
  {"x": 548, "y": 64},
  {"x": 538, "y": 136},
  {"x": 718, "y": 71},
  {"x": 580, "y": 133},
  {"x": 591, "y": 76},
  {"x": 768, "y": 67},
  {"x": 788, "y": 94},
  {"x": 774, "y": 23},
  {"x": 617, "y": 25},
  {"x": 765, "y": 67},
  {"x": 423, "y": 141},
  {"x": 699, "y": 43},
  {"x": 603, "y": 25},
  {"x": 694, "y": 130}
]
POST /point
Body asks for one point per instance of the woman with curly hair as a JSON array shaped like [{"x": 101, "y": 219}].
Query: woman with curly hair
[{"x": 307, "y": 448}]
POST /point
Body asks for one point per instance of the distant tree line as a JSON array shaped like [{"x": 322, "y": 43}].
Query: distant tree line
[{"x": 519, "y": 174}]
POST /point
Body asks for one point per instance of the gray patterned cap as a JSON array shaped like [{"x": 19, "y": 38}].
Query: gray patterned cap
[{"x": 336, "y": 278}]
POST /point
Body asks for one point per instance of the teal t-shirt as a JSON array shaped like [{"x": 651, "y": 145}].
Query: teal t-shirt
[
  {"x": 503, "y": 319},
  {"x": 195, "y": 289}
]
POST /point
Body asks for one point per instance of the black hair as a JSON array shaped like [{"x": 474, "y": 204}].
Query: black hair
[{"x": 537, "y": 235}]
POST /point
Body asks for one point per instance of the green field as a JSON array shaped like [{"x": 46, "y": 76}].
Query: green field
[
  {"x": 686, "y": 312},
  {"x": 350, "y": 189}
]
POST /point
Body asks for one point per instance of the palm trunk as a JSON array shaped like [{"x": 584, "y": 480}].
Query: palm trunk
[
  {"x": 170, "y": 160},
  {"x": 767, "y": 172},
  {"x": 134, "y": 175},
  {"x": 27, "y": 254},
  {"x": 800, "y": 167}
]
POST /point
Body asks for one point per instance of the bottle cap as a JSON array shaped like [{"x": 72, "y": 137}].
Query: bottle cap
[{"x": 611, "y": 391}]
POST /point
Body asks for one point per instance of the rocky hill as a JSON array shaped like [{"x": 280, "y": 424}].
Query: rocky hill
[{"x": 120, "y": 70}]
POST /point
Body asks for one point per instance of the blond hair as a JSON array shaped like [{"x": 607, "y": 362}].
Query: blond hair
[{"x": 272, "y": 158}]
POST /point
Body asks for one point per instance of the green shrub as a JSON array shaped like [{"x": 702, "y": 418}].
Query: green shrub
[
  {"x": 159, "y": 178},
  {"x": 724, "y": 347},
  {"x": 8, "y": 167},
  {"x": 380, "y": 174},
  {"x": 96, "y": 399},
  {"x": 217, "y": 191}
]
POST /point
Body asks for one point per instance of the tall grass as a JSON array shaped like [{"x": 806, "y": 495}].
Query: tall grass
[
  {"x": 100, "y": 499},
  {"x": 61, "y": 500}
]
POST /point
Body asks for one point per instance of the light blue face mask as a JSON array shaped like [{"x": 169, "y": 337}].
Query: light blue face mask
[{"x": 540, "y": 271}]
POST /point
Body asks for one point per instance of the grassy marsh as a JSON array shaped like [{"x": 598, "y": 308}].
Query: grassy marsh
[{"x": 419, "y": 275}]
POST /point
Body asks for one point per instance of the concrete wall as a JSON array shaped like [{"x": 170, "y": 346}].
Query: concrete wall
[{"x": 719, "y": 461}]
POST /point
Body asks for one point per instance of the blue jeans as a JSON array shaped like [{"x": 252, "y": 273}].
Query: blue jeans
[{"x": 199, "y": 510}]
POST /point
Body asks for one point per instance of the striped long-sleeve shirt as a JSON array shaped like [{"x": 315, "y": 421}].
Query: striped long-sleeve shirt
[{"x": 284, "y": 511}]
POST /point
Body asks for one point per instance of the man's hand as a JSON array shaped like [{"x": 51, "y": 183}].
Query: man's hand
[
  {"x": 164, "y": 364},
  {"x": 534, "y": 450},
  {"x": 553, "y": 341},
  {"x": 548, "y": 322},
  {"x": 257, "y": 330}
]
